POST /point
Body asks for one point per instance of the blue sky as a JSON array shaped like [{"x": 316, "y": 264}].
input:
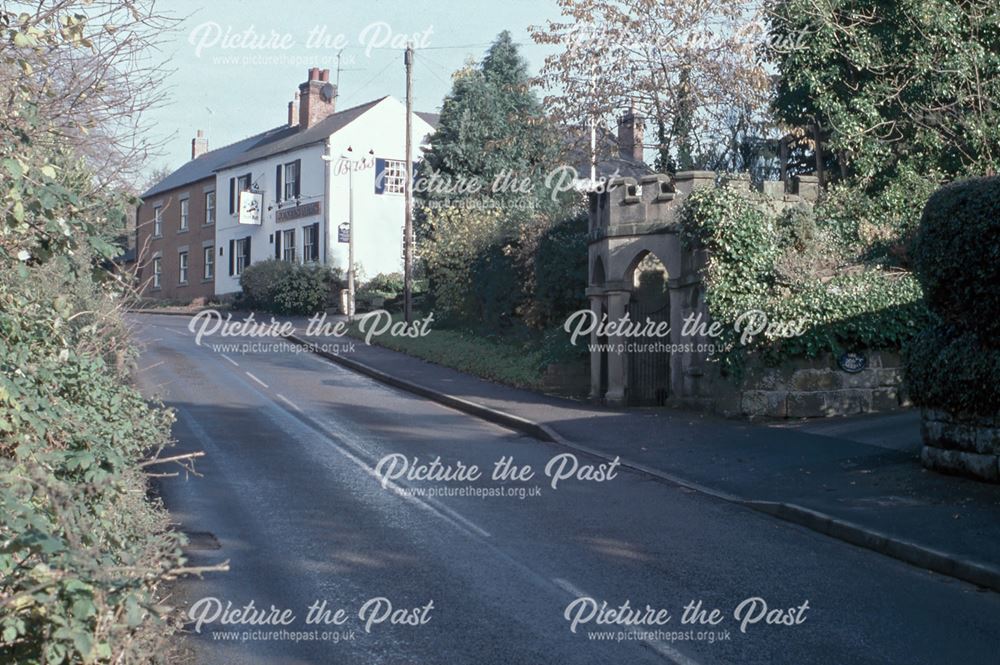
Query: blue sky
[{"x": 235, "y": 88}]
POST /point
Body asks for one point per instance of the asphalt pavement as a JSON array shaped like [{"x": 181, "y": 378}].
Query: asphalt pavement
[{"x": 292, "y": 493}]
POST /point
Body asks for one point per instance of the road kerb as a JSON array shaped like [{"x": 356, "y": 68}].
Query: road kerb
[{"x": 903, "y": 550}]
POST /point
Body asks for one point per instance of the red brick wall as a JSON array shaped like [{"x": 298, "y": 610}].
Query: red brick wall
[{"x": 168, "y": 244}]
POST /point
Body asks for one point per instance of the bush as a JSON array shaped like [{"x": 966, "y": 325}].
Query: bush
[
  {"x": 957, "y": 255},
  {"x": 284, "y": 287},
  {"x": 790, "y": 267},
  {"x": 955, "y": 370}
]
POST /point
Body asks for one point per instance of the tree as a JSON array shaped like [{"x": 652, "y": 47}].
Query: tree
[
  {"x": 681, "y": 64},
  {"x": 891, "y": 85},
  {"x": 492, "y": 125}
]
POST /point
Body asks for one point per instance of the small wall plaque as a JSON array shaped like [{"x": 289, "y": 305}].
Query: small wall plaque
[{"x": 852, "y": 362}]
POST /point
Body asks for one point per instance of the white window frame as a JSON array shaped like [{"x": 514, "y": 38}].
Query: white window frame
[
  {"x": 157, "y": 221},
  {"x": 157, "y": 271},
  {"x": 307, "y": 235},
  {"x": 185, "y": 213},
  {"x": 394, "y": 177},
  {"x": 288, "y": 245},
  {"x": 288, "y": 183},
  {"x": 239, "y": 261},
  {"x": 182, "y": 267},
  {"x": 209, "y": 208},
  {"x": 208, "y": 256}
]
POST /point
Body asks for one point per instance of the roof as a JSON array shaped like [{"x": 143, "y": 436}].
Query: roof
[
  {"x": 271, "y": 142},
  {"x": 204, "y": 166}
]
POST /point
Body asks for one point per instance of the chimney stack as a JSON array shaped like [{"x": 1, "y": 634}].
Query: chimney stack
[
  {"x": 199, "y": 145},
  {"x": 293, "y": 111},
  {"x": 630, "y": 128},
  {"x": 317, "y": 98}
]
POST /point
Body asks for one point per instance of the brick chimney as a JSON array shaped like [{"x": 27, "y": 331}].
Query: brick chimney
[
  {"x": 199, "y": 145},
  {"x": 293, "y": 111},
  {"x": 630, "y": 136},
  {"x": 316, "y": 98}
]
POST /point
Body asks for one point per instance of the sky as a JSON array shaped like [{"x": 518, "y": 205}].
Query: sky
[{"x": 237, "y": 63}]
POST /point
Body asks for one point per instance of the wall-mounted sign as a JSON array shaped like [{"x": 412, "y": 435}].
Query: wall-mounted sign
[
  {"x": 852, "y": 363},
  {"x": 251, "y": 203},
  {"x": 344, "y": 232},
  {"x": 297, "y": 212}
]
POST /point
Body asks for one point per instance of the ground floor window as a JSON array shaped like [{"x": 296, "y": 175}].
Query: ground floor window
[
  {"x": 157, "y": 272},
  {"x": 239, "y": 257},
  {"x": 310, "y": 243},
  {"x": 182, "y": 272},
  {"x": 288, "y": 245},
  {"x": 209, "y": 262}
]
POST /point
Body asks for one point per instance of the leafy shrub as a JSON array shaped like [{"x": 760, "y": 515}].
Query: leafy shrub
[
  {"x": 84, "y": 553},
  {"x": 955, "y": 365},
  {"x": 285, "y": 287},
  {"x": 557, "y": 273},
  {"x": 388, "y": 283},
  {"x": 954, "y": 369},
  {"x": 957, "y": 255},
  {"x": 793, "y": 270}
]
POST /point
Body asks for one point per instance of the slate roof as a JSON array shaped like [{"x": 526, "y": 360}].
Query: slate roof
[
  {"x": 271, "y": 142},
  {"x": 204, "y": 166}
]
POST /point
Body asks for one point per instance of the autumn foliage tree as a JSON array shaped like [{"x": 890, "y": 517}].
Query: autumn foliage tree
[{"x": 690, "y": 67}]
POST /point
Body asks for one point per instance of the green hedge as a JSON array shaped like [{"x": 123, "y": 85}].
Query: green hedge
[
  {"x": 957, "y": 255},
  {"x": 285, "y": 287},
  {"x": 955, "y": 365}
]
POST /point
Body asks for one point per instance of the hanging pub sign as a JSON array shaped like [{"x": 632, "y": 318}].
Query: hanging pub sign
[
  {"x": 251, "y": 204},
  {"x": 852, "y": 363},
  {"x": 344, "y": 232}
]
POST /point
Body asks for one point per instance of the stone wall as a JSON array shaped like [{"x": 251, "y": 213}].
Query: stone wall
[
  {"x": 815, "y": 388},
  {"x": 969, "y": 446}
]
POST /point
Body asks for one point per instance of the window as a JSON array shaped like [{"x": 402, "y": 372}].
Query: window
[
  {"x": 209, "y": 262},
  {"x": 291, "y": 187},
  {"x": 237, "y": 185},
  {"x": 182, "y": 272},
  {"x": 209, "y": 208},
  {"x": 310, "y": 243},
  {"x": 184, "y": 214},
  {"x": 391, "y": 177},
  {"x": 288, "y": 245},
  {"x": 239, "y": 255},
  {"x": 157, "y": 271},
  {"x": 158, "y": 221}
]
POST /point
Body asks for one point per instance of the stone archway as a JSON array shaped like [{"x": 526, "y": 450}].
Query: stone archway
[{"x": 630, "y": 221}]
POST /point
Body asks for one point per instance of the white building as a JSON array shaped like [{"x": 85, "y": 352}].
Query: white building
[{"x": 302, "y": 199}]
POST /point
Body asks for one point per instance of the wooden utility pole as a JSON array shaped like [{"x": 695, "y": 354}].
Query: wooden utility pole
[{"x": 408, "y": 224}]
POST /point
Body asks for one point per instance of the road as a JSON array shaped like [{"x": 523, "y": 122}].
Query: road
[{"x": 288, "y": 493}]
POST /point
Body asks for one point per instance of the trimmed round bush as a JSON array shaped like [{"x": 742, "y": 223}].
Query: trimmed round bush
[
  {"x": 952, "y": 369},
  {"x": 957, "y": 255},
  {"x": 283, "y": 287}
]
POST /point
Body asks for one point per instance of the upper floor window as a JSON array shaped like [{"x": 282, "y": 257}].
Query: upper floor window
[
  {"x": 158, "y": 221},
  {"x": 288, "y": 181},
  {"x": 209, "y": 208},
  {"x": 239, "y": 184},
  {"x": 291, "y": 180},
  {"x": 390, "y": 176},
  {"x": 184, "y": 214}
]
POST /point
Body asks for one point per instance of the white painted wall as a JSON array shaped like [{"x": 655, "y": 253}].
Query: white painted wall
[{"x": 379, "y": 218}]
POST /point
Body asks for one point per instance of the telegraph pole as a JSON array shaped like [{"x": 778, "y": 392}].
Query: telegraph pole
[{"x": 408, "y": 224}]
